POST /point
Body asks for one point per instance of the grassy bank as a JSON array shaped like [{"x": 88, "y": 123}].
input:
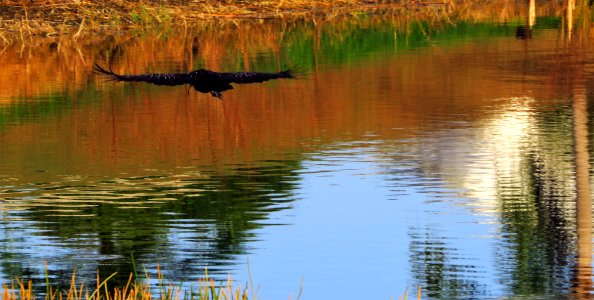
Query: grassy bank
[
  {"x": 22, "y": 20},
  {"x": 53, "y": 17}
]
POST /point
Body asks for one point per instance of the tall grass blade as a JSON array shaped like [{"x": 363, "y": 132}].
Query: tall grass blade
[{"x": 99, "y": 287}]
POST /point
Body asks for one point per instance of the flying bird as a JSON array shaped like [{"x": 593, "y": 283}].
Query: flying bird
[{"x": 204, "y": 81}]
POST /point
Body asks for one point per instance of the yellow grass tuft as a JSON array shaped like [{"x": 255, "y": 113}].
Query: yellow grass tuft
[{"x": 207, "y": 289}]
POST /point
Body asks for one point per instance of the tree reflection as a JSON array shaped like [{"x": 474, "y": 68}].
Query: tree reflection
[
  {"x": 582, "y": 277},
  {"x": 550, "y": 226},
  {"x": 557, "y": 227},
  {"x": 543, "y": 192},
  {"x": 583, "y": 270},
  {"x": 537, "y": 226},
  {"x": 434, "y": 266},
  {"x": 207, "y": 223}
]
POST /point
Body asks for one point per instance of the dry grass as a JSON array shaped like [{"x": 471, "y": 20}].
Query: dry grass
[
  {"x": 23, "y": 18},
  {"x": 204, "y": 289}
]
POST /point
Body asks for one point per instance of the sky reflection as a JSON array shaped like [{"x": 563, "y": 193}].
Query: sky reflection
[{"x": 448, "y": 165}]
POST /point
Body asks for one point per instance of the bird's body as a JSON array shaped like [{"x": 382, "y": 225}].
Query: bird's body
[{"x": 204, "y": 81}]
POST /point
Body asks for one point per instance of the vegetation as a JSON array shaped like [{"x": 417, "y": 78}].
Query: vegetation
[
  {"x": 205, "y": 289},
  {"x": 21, "y": 17},
  {"x": 21, "y": 20}
]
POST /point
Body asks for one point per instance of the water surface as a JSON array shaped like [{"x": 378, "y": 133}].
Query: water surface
[{"x": 456, "y": 161}]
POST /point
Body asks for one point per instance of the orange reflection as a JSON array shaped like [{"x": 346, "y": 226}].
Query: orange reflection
[{"x": 152, "y": 125}]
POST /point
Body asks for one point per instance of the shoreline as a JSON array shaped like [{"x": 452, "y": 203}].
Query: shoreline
[{"x": 20, "y": 20}]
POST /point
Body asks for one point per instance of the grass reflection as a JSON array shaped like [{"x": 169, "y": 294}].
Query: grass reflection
[{"x": 65, "y": 65}]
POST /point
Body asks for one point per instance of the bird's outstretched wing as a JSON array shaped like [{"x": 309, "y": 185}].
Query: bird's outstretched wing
[
  {"x": 252, "y": 77},
  {"x": 160, "y": 79}
]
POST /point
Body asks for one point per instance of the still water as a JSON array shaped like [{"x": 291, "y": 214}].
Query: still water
[{"x": 454, "y": 157}]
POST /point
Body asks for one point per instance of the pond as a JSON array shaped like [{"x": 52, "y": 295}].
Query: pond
[{"x": 407, "y": 152}]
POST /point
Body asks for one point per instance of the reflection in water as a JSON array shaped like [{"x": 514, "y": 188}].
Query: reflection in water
[
  {"x": 583, "y": 279},
  {"x": 523, "y": 32},
  {"x": 507, "y": 165},
  {"x": 536, "y": 213},
  {"x": 442, "y": 274},
  {"x": 191, "y": 220},
  {"x": 435, "y": 158}
]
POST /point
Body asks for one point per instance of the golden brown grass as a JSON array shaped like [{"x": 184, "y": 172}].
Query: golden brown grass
[
  {"x": 23, "y": 19},
  {"x": 205, "y": 289},
  {"x": 51, "y": 17}
]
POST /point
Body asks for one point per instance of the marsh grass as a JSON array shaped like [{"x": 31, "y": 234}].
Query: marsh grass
[
  {"x": 26, "y": 18},
  {"x": 204, "y": 289},
  {"x": 21, "y": 20},
  {"x": 138, "y": 289}
]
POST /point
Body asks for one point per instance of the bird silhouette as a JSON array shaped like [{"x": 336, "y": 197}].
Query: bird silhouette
[{"x": 204, "y": 81}]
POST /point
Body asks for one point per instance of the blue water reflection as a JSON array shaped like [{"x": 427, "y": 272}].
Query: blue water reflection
[
  {"x": 358, "y": 209},
  {"x": 449, "y": 164}
]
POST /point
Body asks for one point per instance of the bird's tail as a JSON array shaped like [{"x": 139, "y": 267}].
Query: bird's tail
[
  {"x": 98, "y": 68},
  {"x": 288, "y": 73},
  {"x": 294, "y": 71},
  {"x": 114, "y": 76}
]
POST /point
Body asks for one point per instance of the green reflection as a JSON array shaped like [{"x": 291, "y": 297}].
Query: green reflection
[{"x": 214, "y": 215}]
